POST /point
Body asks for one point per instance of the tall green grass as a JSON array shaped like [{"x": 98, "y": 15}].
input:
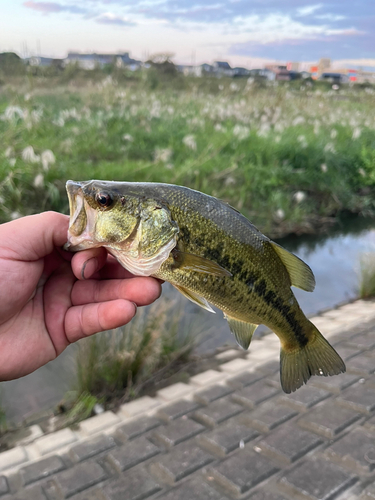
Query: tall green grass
[
  {"x": 367, "y": 275},
  {"x": 117, "y": 364}
]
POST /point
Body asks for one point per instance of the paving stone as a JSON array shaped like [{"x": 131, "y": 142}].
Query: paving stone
[
  {"x": 78, "y": 478},
  {"x": 12, "y": 458},
  {"x": 138, "y": 406},
  {"x": 361, "y": 365},
  {"x": 363, "y": 341},
  {"x": 41, "y": 469},
  {"x": 180, "y": 462},
  {"x": 132, "y": 453},
  {"x": 269, "y": 415},
  {"x": 368, "y": 493},
  {"x": 370, "y": 424},
  {"x": 193, "y": 489},
  {"x": 246, "y": 378},
  {"x": 328, "y": 420},
  {"x": 317, "y": 480},
  {"x": 175, "y": 410},
  {"x": 206, "y": 378},
  {"x": 30, "y": 493},
  {"x": 228, "y": 354},
  {"x": 178, "y": 431},
  {"x": 355, "y": 450},
  {"x": 90, "y": 494},
  {"x": 91, "y": 447},
  {"x": 33, "y": 432},
  {"x": 137, "y": 427},
  {"x": 135, "y": 484},
  {"x": 217, "y": 412},
  {"x": 359, "y": 397},
  {"x": 288, "y": 443},
  {"x": 347, "y": 351},
  {"x": 226, "y": 438},
  {"x": 269, "y": 368},
  {"x": 335, "y": 384},
  {"x": 305, "y": 397},
  {"x": 265, "y": 495},
  {"x": 3, "y": 485},
  {"x": 236, "y": 365},
  {"x": 174, "y": 391},
  {"x": 99, "y": 422},
  {"x": 254, "y": 394},
  {"x": 55, "y": 440},
  {"x": 214, "y": 392},
  {"x": 242, "y": 471}
]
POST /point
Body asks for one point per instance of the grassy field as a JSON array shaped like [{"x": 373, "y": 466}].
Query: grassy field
[{"x": 289, "y": 156}]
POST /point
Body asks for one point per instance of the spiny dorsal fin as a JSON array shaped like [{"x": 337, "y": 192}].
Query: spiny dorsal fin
[
  {"x": 198, "y": 264},
  {"x": 299, "y": 272},
  {"x": 242, "y": 331},
  {"x": 197, "y": 299}
]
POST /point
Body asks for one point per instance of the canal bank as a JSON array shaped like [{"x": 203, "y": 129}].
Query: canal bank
[{"x": 228, "y": 433}]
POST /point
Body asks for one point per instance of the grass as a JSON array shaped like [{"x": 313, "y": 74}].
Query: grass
[
  {"x": 116, "y": 366},
  {"x": 367, "y": 275},
  {"x": 256, "y": 146}
]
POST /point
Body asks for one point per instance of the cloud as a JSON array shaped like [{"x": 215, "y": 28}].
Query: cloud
[
  {"x": 109, "y": 18},
  {"x": 52, "y": 7},
  {"x": 45, "y": 7},
  {"x": 308, "y": 10},
  {"x": 334, "y": 46}
]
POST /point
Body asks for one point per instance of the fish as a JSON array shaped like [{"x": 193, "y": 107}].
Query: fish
[{"x": 213, "y": 255}]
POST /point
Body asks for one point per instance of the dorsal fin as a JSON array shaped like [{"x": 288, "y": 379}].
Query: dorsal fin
[{"x": 299, "y": 272}]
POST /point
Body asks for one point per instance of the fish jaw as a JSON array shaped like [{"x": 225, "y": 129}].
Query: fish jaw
[{"x": 82, "y": 220}]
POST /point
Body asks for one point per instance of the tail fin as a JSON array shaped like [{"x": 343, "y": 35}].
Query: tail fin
[{"x": 317, "y": 357}]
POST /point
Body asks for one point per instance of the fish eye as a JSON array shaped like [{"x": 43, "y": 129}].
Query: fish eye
[{"x": 105, "y": 200}]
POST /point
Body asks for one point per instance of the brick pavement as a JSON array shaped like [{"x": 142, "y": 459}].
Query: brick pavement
[{"x": 230, "y": 433}]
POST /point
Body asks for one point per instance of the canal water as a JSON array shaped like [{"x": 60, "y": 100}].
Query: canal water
[{"x": 334, "y": 259}]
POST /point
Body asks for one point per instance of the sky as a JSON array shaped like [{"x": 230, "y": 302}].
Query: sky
[{"x": 243, "y": 32}]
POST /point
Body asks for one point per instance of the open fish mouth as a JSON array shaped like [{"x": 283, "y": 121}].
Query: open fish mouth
[{"x": 81, "y": 225}]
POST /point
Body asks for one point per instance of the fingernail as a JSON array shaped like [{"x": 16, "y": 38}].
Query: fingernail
[{"x": 89, "y": 267}]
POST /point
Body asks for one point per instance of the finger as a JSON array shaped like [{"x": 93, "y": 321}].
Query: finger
[
  {"x": 141, "y": 290},
  {"x": 85, "y": 320},
  {"x": 88, "y": 262},
  {"x": 106, "y": 266},
  {"x": 41, "y": 233}
]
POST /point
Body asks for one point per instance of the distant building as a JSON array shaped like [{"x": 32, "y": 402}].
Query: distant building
[
  {"x": 238, "y": 72},
  {"x": 90, "y": 61},
  {"x": 223, "y": 68},
  {"x": 207, "y": 68},
  {"x": 39, "y": 61},
  {"x": 262, "y": 73},
  {"x": 293, "y": 66},
  {"x": 334, "y": 78}
]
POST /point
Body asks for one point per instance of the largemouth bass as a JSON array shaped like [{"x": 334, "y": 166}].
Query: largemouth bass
[{"x": 212, "y": 254}]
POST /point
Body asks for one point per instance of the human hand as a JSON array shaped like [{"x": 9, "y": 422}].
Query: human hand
[{"x": 46, "y": 300}]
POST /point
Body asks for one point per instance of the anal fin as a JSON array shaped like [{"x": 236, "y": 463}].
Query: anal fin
[
  {"x": 242, "y": 331},
  {"x": 194, "y": 297}
]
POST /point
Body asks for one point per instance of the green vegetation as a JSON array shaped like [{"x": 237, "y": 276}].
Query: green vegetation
[
  {"x": 118, "y": 365},
  {"x": 290, "y": 156},
  {"x": 367, "y": 276}
]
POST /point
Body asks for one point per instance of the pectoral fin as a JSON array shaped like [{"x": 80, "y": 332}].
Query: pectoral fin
[
  {"x": 242, "y": 331},
  {"x": 299, "y": 272},
  {"x": 197, "y": 299},
  {"x": 198, "y": 264}
]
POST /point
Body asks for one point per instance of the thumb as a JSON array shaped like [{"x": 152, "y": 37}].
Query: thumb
[{"x": 33, "y": 237}]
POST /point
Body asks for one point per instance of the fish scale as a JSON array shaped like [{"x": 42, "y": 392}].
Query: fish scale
[{"x": 212, "y": 254}]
